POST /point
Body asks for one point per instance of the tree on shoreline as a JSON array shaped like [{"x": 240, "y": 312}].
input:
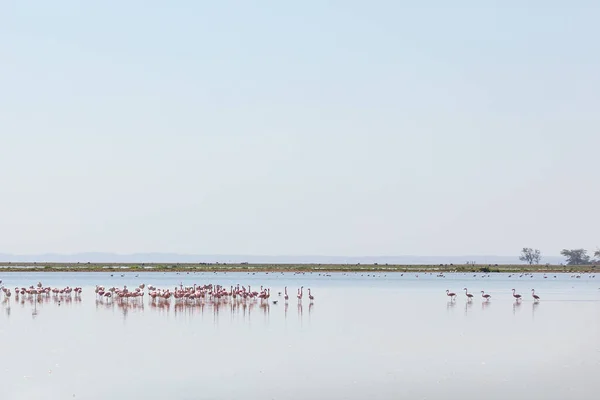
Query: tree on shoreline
[
  {"x": 530, "y": 255},
  {"x": 576, "y": 256}
]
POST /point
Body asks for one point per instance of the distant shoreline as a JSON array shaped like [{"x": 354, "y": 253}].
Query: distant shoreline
[{"x": 294, "y": 267}]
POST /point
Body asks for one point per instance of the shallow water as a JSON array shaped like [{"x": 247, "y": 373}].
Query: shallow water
[{"x": 376, "y": 336}]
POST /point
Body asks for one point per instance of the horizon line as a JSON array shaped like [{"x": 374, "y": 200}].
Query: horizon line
[{"x": 80, "y": 253}]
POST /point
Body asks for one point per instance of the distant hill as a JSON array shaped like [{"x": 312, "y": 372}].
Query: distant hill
[{"x": 258, "y": 259}]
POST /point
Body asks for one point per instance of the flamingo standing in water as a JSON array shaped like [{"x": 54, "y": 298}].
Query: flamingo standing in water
[
  {"x": 485, "y": 296},
  {"x": 535, "y": 296},
  {"x": 286, "y": 297},
  {"x": 516, "y": 296},
  {"x": 450, "y": 294},
  {"x": 300, "y": 292},
  {"x": 469, "y": 295},
  {"x": 310, "y": 296}
]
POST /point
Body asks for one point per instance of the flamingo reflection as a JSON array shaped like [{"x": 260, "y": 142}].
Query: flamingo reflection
[
  {"x": 516, "y": 306},
  {"x": 534, "y": 307},
  {"x": 485, "y": 304},
  {"x": 468, "y": 305}
]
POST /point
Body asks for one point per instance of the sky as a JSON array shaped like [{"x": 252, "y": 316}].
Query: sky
[{"x": 299, "y": 128}]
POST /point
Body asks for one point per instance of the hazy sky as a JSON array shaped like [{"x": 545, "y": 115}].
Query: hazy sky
[{"x": 312, "y": 127}]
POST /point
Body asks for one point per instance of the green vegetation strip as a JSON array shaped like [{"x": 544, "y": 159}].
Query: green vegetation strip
[{"x": 245, "y": 267}]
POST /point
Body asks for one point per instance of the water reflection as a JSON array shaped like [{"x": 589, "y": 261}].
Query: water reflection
[
  {"x": 238, "y": 307},
  {"x": 266, "y": 308},
  {"x": 36, "y": 301},
  {"x": 235, "y": 307},
  {"x": 485, "y": 304},
  {"x": 34, "y": 313},
  {"x": 6, "y": 306},
  {"x": 534, "y": 307},
  {"x": 516, "y": 306},
  {"x": 468, "y": 305},
  {"x": 241, "y": 355}
]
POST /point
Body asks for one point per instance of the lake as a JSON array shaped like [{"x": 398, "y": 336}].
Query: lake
[{"x": 365, "y": 336}]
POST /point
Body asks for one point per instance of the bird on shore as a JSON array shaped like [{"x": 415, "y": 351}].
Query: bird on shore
[
  {"x": 516, "y": 296},
  {"x": 535, "y": 296},
  {"x": 485, "y": 296}
]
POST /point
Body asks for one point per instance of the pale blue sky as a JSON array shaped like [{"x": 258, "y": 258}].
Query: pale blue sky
[{"x": 313, "y": 127}]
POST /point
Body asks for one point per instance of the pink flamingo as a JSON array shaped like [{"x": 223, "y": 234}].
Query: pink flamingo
[
  {"x": 286, "y": 297},
  {"x": 469, "y": 295},
  {"x": 450, "y": 294},
  {"x": 535, "y": 296},
  {"x": 310, "y": 296},
  {"x": 516, "y": 296},
  {"x": 485, "y": 296}
]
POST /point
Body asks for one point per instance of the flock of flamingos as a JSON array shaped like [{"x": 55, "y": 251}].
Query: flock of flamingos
[
  {"x": 192, "y": 294},
  {"x": 187, "y": 295},
  {"x": 195, "y": 293},
  {"x": 487, "y": 297},
  {"x": 180, "y": 294}
]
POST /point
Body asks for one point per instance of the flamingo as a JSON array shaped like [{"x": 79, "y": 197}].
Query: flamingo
[
  {"x": 485, "y": 296},
  {"x": 535, "y": 296},
  {"x": 310, "y": 296},
  {"x": 469, "y": 295},
  {"x": 516, "y": 296},
  {"x": 450, "y": 294},
  {"x": 286, "y": 297}
]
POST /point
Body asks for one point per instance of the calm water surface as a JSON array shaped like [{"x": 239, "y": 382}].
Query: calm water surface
[{"x": 375, "y": 336}]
